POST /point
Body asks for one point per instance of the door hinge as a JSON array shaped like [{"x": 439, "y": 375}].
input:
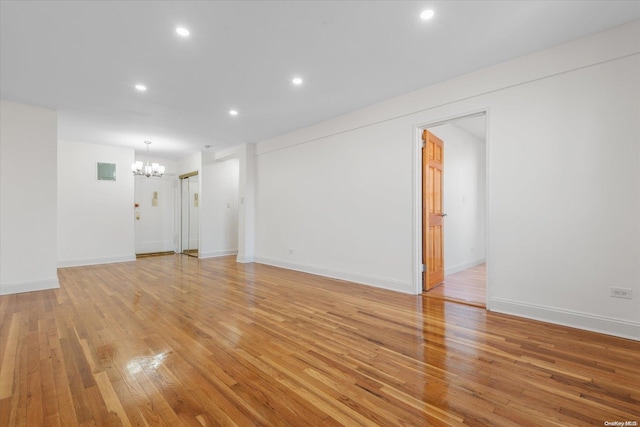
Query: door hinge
[{"x": 424, "y": 268}]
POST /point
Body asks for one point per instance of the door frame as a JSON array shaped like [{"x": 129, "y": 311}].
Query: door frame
[
  {"x": 180, "y": 208},
  {"x": 166, "y": 177},
  {"x": 417, "y": 194}
]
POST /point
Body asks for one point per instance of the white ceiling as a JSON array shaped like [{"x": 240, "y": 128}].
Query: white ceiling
[{"x": 83, "y": 59}]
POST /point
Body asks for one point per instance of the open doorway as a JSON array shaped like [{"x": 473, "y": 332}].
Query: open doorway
[
  {"x": 220, "y": 180},
  {"x": 454, "y": 210}
]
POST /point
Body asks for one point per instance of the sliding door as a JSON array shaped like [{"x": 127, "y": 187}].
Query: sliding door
[{"x": 189, "y": 214}]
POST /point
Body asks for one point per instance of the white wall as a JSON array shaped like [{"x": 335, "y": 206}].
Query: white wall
[
  {"x": 340, "y": 207},
  {"x": 28, "y": 215},
  {"x": 219, "y": 209},
  {"x": 246, "y": 209},
  {"x": 95, "y": 218},
  {"x": 192, "y": 163},
  {"x": 464, "y": 198},
  {"x": 563, "y": 185},
  {"x": 245, "y": 156},
  {"x": 564, "y": 221}
]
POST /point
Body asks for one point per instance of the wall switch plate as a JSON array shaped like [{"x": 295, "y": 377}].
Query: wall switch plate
[{"x": 620, "y": 292}]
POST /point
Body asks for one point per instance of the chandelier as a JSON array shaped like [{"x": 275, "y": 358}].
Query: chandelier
[{"x": 153, "y": 169}]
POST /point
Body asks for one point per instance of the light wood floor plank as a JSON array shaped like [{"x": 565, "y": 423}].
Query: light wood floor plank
[
  {"x": 177, "y": 341},
  {"x": 466, "y": 287},
  {"x": 9, "y": 353}
]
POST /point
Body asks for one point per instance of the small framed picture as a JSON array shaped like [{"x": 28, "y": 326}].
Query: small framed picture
[{"x": 106, "y": 171}]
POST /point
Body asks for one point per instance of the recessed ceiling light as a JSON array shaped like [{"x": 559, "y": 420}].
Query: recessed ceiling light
[
  {"x": 426, "y": 14},
  {"x": 141, "y": 88},
  {"x": 183, "y": 31},
  {"x": 233, "y": 112},
  {"x": 297, "y": 81}
]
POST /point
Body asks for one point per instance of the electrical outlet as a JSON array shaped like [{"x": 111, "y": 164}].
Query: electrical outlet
[{"x": 620, "y": 293}]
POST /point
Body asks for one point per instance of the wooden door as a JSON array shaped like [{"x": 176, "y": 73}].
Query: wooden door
[{"x": 432, "y": 215}]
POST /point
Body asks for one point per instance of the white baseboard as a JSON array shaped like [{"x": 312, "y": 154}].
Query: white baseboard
[
  {"x": 215, "y": 254},
  {"x": 604, "y": 325},
  {"x": 378, "y": 282},
  {"x": 36, "y": 285},
  {"x": 460, "y": 267},
  {"x": 96, "y": 261},
  {"x": 243, "y": 259}
]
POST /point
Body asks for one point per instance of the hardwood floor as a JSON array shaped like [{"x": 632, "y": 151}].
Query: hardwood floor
[
  {"x": 179, "y": 341},
  {"x": 466, "y": 287},
  {"x": 148, "y": 254}
]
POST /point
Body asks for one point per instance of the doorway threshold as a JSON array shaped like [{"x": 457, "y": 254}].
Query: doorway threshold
[
  {"x": 464, "y": 287},
  {"x": 150, "y": 254},
  {"x": 455, "y": 300}
]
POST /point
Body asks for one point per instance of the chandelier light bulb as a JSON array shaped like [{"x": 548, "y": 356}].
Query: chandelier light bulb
[{"x": 148, "y": 170}]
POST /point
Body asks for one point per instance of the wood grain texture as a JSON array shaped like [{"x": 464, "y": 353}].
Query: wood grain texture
[
  {"x": 432, "y": 215},
  {"x": 177, "y": 341},
  {"x": 466, "y": 287}
]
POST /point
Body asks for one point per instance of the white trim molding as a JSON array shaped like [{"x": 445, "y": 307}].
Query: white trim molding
[
  {"x": 601, "y": 324},
  {"x": 243, "y": 259},
  {"x": 36, "y": 285},
  {"x": 215, "y": 254},
  {"x": 95, "y": 261},
  {"x": 378, "y": 282}
]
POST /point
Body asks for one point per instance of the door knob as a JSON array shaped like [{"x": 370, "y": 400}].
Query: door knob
[{"x": 443, "y": 214}]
